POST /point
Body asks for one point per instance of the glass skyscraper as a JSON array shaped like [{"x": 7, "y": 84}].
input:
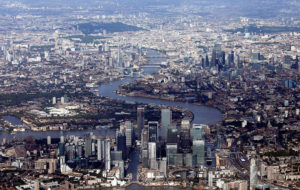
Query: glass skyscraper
[
  {"x": 198, "y": 153},
  {"x": 166, "y": 119}
]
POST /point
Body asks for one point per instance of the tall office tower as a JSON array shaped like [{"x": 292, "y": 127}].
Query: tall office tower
[
  {"x": 197, "y": 132},
  {"x": 144, "y": 147},
  {"x": 219, "y": 140},
  {"x": 145, "y": 158},
  {"x": 140, "y": 121},
  {"x": 79, "y": 151},
  {"x": 93, "y": 148},
  {"x": 237, "y": 61},
  {"x": 222, "y": 58},
  {"x": 87, "y": 146},
  {"x": 120, "y": 64},
  {"x": 152, "y": 131},
  {"x": 231, "y": 59},
  {"x": 253, "y": 174},
  {"x": 171, "y": 150},
  {"x": 70, "y": 152},
  {"x": 48, "y": 140},
  {"x": 218, "y": 48},
  {"x": 121, "y": 144},
  {"x": 213, "y": 61},
  {"x": 185, "y": 125},
  {"x": 198, "y": 149},
  {"x": 145, "y": 138},
  {"x": 152, "y": 155},
  {"x": 203, "y": 62},
  {"x": 100, "y": 155},
  {"x": 172, "y": 136},
  {"x": 216, "y": 55},
  {"x": 166, "y": 119},
  {"x": 222, "y": 61},
  {"x": 128, "y": 133},
  {"x": 163, "y": 166},
  {"x": 185, "y": 137},
  {"x": 210, "y": 178},
  {"x": 206, "y": 61},
  {"x": 188, "y": 160},
  {"x": 61, "y": 148},
  {"x": 122, "y": 170},
  {"x": 107, "y": 155}
]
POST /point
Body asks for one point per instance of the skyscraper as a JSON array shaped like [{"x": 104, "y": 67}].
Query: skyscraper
[
  {"x": 206, "y": 61},
  {"x": 122, "y": 170},
  {"x": 100, "y": 155},
  {"x": 79, "y": 151},
  {"x": 185, "y": 137},
  {"x": 213, "y": 61},
  {"x": 120, "y": 64},
  {"x": 61, "y": 147},
  {"x": 166, "y": 119},
  {"x": 140, "y": 121},
  {"x": 185, "y": 124},
  {"x": 144, "y": 147},
  {"x": 145, "y": 138},
  {"x": 172, "y": 136},
  {"x": 70, "y": 152},
  {"x": 107, "y": 154},
  {"x": 163, "y": 166},
  {"x": 197, "y": 132},
  {"x": 88, "y": 146},
  {"x": 231, "y": 59},
  {"x": 217, "y": 56},
  {"x": 188, "y": 160},
  {"x": 171, "y": 150},
  {"x": 152, "y": 128},
  {"x": 121, "y": 144},
  {"x": 128, "y": 133},
  {"x": 198, "y": 153},
  {"x": 152, "y": 155}
]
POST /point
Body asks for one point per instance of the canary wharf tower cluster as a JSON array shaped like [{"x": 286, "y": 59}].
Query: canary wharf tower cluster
[{"x": 160, "y": 94}]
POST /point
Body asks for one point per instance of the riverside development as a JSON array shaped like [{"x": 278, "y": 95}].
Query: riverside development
[{"x": 155, "y": 96}]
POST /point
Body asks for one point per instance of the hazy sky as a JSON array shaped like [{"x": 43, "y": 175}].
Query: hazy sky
[{"x": 251, "y": 8}]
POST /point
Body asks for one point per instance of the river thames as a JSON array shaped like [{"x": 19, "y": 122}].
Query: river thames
[{"x": 202, "y": 115}]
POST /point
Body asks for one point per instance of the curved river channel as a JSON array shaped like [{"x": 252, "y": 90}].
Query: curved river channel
[{"x": 202, "y": 115}]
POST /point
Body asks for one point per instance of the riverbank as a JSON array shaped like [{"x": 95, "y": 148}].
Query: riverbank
[
  {"x": 155, "y": 185},
  {"x": 186, "y": 112}
]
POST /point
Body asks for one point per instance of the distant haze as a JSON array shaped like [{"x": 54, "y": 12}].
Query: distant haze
[{"x": 248, "y": 8}]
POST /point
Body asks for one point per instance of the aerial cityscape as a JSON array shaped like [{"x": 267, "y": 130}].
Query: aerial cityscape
[{"x": 150, "y": 94}]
